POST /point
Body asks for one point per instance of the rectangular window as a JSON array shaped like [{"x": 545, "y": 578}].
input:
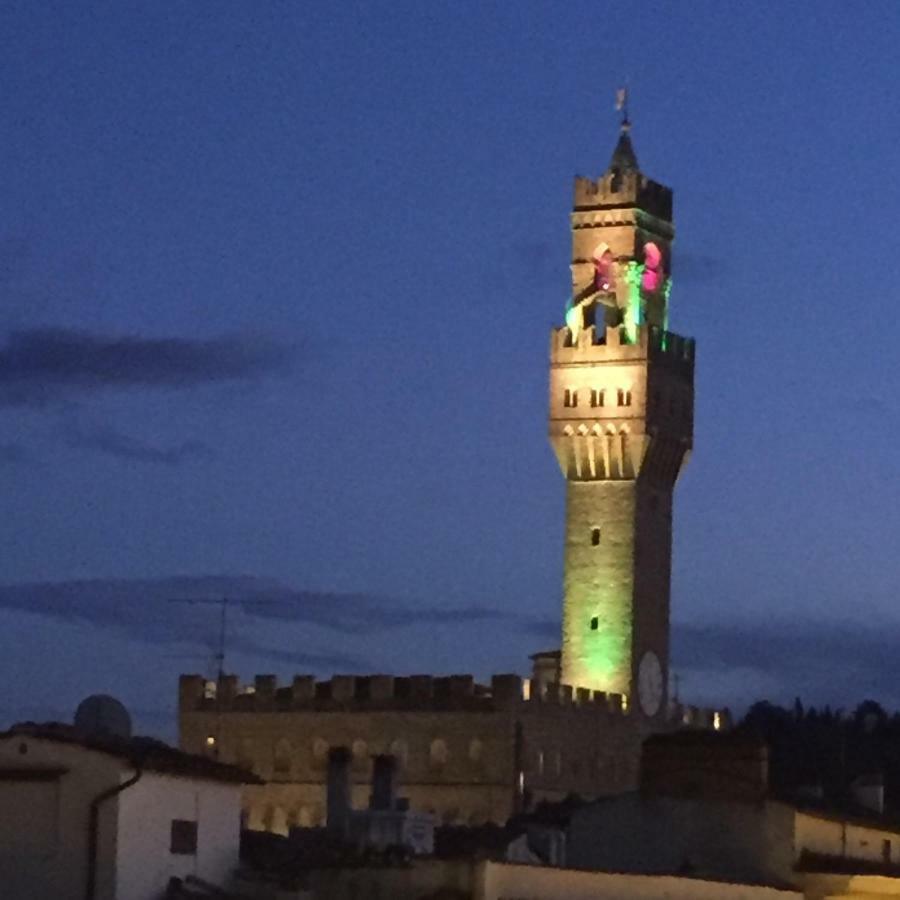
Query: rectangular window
[
  {"x": 886, "y": 851},
  {"x": 597, "y": 397},
  {"x": 624, "y": 397},
  {"x": 184, "y": 837},
  {"x": 570, "y": 398},
  {"x": 595, "y": 623}
]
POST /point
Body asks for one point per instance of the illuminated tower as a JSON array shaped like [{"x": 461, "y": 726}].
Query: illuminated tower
[{"x": 621, "y": 424}]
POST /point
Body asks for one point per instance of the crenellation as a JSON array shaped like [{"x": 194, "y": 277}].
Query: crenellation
[
  {"x": 303, "y": 689},
  {"x": 610, "y": 345},
  {"x": 507, "y": 690},
  {"x": 381, "y": 688},
  {"x": 421, "y": 687},
  {"x": 264, "y": 691},
  {"x": 226, "y": 691},
  {"x": 343, "y": 688},
  {"x": 624, "y": 189}
]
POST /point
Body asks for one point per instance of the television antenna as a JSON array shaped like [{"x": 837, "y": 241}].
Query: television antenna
[{"x": 213, "y": 740}]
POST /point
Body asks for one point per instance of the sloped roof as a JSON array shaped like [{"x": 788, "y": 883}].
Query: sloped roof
[
  {"x": 624, "y": 158},
  {"x": 152, "y": 755}
]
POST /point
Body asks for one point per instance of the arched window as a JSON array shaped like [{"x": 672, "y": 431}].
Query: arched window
[
  {"x": 320, "y": 751},
  {"x": 399, "y": 751},
  {"x": 438, "y": 753},
  {"x": 360, "y": 754}
]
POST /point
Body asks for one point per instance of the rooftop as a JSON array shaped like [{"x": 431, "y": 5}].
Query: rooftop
[{"x": 151, "y": 754}]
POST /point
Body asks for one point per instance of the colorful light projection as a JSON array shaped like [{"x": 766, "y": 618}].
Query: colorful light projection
[
  {"x": 602, "y": 282},
  {"x": 604, "y": 268},
  {"x": 644, "y": 281},
  {"x": 653, "y": 274}
]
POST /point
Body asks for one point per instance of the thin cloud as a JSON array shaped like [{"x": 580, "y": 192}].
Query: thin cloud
[
  {"x": 177, "y": 608},
  {"x": 108, "y": 441},
  {"x": 44, "y": 365}
]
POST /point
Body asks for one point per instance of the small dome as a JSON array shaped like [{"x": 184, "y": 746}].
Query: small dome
[{"x": 103, "y": 716}]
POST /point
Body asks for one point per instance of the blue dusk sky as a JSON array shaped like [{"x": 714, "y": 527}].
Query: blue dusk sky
[{"x": 277, "y": 284}]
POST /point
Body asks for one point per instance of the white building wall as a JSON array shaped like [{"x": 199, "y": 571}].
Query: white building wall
[
  {"x": 144, "y": 859},
  {"x": 498, "y": 881},
  {"x": 818, "y": 834},
  {"x": 44, "y": 825}
]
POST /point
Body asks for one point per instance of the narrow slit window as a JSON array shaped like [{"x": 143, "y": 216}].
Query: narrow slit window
[
  {"x": 570, "y": 398},
  {"x": 595, "y": 537},
  {"x": 624, "y": 397}
]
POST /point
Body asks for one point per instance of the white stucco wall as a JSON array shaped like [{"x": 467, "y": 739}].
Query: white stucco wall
[
  {"x": 498, "y": 881},
  {"x": 44, "y": 825},
  {"x": 145, "y": 862},
  {"x": 818, "y": 834}
]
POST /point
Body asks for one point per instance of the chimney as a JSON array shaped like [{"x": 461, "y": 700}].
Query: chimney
[
  {"x": 384, "y": 783},
  {"x": 339, "y": 803},
  {"x": 868, "y": 791}
]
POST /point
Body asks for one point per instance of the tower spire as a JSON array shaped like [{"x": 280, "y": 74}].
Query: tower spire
[{"x": 623, "y": 158}]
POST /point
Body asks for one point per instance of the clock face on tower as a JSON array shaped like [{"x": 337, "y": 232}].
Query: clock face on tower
[{"x": 650, "y": 683}]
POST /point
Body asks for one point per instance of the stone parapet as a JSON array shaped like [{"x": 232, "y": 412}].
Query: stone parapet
[
  {"x": 610, "y": 345},
  {"x": 365, "y": 693}
]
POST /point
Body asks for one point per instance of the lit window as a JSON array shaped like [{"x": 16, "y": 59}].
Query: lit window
[
  {"x": 717, "y": 721},
  {"x": 209, "y": 690},
  {"x": 570, "y": 398},
  {"x": 183, "y": 839},
  {"x": 540, "y": 762},
  {"x": 595, "y": 537},
  {"x": 598, "y": 397},
  {"x": 595, "y": 623}
]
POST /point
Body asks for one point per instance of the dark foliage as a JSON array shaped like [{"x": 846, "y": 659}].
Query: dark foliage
[{"x": 828, "y": 749}]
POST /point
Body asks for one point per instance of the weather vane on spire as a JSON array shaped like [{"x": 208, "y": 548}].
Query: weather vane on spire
[{"x": 622, "y": 107}]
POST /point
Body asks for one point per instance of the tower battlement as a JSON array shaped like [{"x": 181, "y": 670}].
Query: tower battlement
[
  {"x": 452, "y": 693},
  {"x": 593, "y": 345},
  {"x": 616, "y": 189}
]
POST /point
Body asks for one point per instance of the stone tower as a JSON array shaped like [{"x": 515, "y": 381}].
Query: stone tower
[{"x": 621, "y": 424}]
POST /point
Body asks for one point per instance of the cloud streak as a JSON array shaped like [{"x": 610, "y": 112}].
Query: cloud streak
[
  {"x": 108, "y": 441},
  {"x": 181, "y": 610},
  {"x": 44, "y": 365}
]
